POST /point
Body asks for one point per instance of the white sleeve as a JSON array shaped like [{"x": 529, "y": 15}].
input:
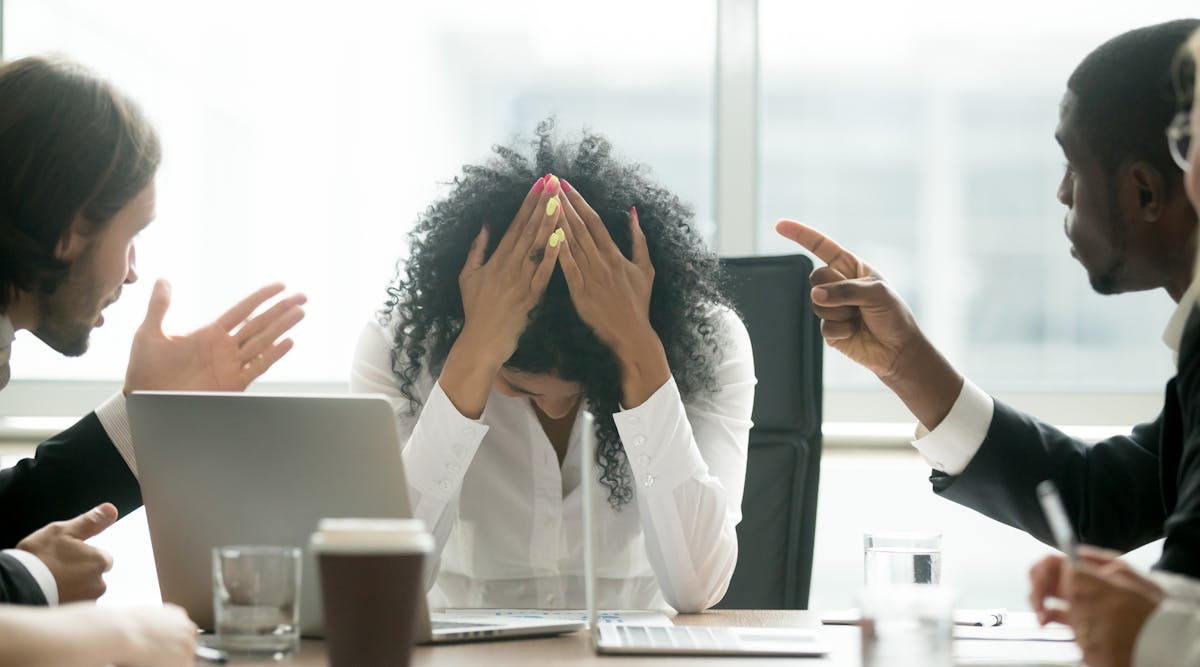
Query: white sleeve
[
  {"x": 115, "y": 420},
  {"x": 951, "y": 446},
  {"x": 689, "y": 469},
  {"x": 1177, "y": 586},
  {"x": 40, "y": 573},
  {"x": 438, "y": 441},
  {"x": 1170, "y": 637}
]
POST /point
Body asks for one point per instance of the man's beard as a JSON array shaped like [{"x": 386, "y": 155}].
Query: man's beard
[{"x": 67, "y": 315}]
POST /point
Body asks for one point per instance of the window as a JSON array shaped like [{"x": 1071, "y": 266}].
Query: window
[
  {"x": 301, "y": 145},
  {"x": 920, "y": 135}
]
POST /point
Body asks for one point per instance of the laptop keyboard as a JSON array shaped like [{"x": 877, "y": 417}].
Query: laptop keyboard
[{"x": 692, "y": 637}]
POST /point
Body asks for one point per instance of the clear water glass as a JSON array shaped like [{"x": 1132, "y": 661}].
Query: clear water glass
[
  {"x": 256, "y": 599},
  {"x": 907, "y": 625},
  {"x": 902, "y": 558}
]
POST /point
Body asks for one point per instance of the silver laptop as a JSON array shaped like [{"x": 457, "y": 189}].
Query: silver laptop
[
  {"x": 220, "y": 469},
  {"x": 676, "y": 639}
]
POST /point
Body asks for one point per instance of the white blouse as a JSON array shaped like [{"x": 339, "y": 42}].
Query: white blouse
[{"x": 506, "y": 518}]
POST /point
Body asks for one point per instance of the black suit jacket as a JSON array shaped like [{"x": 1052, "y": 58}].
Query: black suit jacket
[
  {"x": 1120, "y": 493},
  {"x": 69, "y": 474}
]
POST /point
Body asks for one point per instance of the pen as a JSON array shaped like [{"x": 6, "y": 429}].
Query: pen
[
  {"x": 1056, "y": 517},
  {"x": 206, "y": 654}
]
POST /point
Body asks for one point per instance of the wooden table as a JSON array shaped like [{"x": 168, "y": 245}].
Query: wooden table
[{"x": 576, "y": 648}]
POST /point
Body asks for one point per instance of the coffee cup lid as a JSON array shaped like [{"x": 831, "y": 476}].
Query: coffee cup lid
[{"x": 372, "y": 535}]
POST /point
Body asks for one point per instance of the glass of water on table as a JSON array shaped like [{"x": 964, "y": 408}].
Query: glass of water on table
[
  {"x": 892, "y": 558},
  {"x": 256, "y": 599}
]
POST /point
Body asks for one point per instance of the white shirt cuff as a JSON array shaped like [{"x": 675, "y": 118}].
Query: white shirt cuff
[
  {"x": 1167, "y": 636},
  {"x": 1177, "y": 586},
  {"x": 115, "y": 420},
  {"x": 442, "y": 445},
  {"x": 41, "y": 574},
  {"x": 951, "y": 446},
  {"x": 658, "y": 441}
]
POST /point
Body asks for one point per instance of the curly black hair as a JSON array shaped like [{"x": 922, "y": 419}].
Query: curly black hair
[{"x": 424, "y": 295}]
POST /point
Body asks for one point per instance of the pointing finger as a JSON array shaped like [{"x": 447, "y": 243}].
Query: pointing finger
[{"x": 825, "y": 248}]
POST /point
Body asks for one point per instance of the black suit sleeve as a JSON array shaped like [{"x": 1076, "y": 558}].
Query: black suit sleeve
[
  {"x": 1111, "y": 489},
  {"x": 69, "y": 474},
  {"x": 17, "y": 585}
]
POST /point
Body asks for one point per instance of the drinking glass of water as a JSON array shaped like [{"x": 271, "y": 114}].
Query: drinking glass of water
[
  {"x": 256, "y": 599},
  {"x": 902, "y": 558},
  {"x": 904, "y": 625}
]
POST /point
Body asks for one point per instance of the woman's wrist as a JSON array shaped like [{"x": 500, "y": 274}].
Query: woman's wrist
[
  {"x": 644, "y": 367},
  {"x": 468, "y": 374}
]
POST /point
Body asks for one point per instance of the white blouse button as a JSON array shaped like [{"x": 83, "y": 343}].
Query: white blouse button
[
  {"x": 452, "y": 468},
  {"x": 444, "y": 485},
  {"x": 644, "y": 460},
  {"x": 649, "y": 481},
  {"x": 638, "y": 441}
]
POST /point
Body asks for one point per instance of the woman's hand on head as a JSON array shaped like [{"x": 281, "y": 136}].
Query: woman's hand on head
[
  {"x": 498, "y": 294},
  {"x": 612, "y": 295}
]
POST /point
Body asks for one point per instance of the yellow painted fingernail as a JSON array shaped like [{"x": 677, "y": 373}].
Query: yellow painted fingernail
[
  {"x": 551, "y": 206},
  {"x": 555, "y": 238},
  {"x": 561, "y": 233}
]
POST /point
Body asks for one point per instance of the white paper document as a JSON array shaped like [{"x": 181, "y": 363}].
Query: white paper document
[{"x": 988, "y": 653}]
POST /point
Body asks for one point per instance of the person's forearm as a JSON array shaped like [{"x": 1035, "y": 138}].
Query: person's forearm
[
  {"x": 72, "y": 636},
  {"x": 644, "y": 367},
  {"x": 468, "y": 374},
  {"x": 926, "y": 382}
]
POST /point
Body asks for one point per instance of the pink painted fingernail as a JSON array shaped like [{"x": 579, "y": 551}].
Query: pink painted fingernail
[
  {"x": 552, "y": 185},
  {"x": 539, "y": 186},
  {"x": 633, "y": 214},
  {"x": 566, "y": 186}
]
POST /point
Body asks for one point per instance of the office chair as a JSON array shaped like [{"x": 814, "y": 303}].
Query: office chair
[{"x": 779, "y": 508}]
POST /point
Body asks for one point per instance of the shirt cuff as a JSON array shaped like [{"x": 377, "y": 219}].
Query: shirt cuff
[
  {"x": 441, "y": 447},
  {"x": 1158, "y": 643},
  {"x": 115, "y": 420},
  {"x": 951, "y": 446},
  {"x": 1177, "y": 586},
  {"x": 658, "y": 441},
  {"x": 40, "y": 573}
]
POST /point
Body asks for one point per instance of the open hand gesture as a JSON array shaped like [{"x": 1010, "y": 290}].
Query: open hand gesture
[{"x": 226, "y": 355}]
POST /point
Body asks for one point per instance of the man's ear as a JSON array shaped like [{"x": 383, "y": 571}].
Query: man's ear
[
  {"x": 71, "y": 244},
  {"x": 1145, "y": 191}
]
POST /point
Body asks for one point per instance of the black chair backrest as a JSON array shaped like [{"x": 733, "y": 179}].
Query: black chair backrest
[{"x": 779, "y": 508}]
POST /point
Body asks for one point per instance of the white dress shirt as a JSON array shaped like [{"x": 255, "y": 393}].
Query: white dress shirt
[
  {"x": 952, "y": 445},
  {"x": 507, "y": 519},
  {"x": 115, "y": 421},
  {"x": 1171, "y": 635}
]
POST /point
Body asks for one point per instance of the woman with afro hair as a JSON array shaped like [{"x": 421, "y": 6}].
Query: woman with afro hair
[{"x": 500, "y": 330}]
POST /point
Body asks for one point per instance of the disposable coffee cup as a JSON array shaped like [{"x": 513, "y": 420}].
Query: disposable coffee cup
[{"x": 371, "y": 584}]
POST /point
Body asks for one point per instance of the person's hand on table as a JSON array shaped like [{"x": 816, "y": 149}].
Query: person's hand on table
[
  {"x": 1108, "y": 602},
  {"x": 156, "y": 637},
  {"x": 225, "y": 355},
  {"x": 611, "y": 293},
  {"x": 78, "y": 568}
]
